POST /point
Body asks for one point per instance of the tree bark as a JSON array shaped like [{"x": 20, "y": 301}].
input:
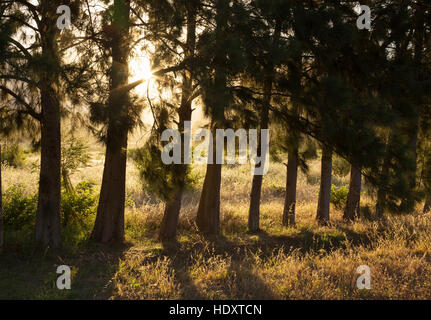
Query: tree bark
[
  {"x": 48, "y": 210},
  {"x": 291, "y": 182},
  {"x": 109, "y": 226},
  {"x": 352, "y": 210},
  {"x": 254, "y": 209},
  {"x": 208, "y": 216},
  {"x": 47, "y": 231},
  {"x": 325, "y": 187},
  {"x": 168, "y": 229}
]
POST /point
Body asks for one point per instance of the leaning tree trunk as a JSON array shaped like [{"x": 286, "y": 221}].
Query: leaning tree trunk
[
  {"x": 352, "y": 209},
  {"x": 168, "y": 229},
  {"x": 291, "y": 182},
  {"x": 109, "y": 226},
  {"x": 47, "y": 231},
  {"x": 1, "y": 208},
  {"x": 325, "y": 187}
]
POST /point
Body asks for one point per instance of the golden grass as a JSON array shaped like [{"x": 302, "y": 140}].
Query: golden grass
[{"x": 306, "y": 262}]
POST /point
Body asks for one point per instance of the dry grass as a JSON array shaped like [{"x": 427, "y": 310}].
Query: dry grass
[{"x": 308, "y": 262}]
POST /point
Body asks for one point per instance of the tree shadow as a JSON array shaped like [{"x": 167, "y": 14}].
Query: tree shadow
[
  {"x": 180, "y": 260},
  {"x": 239, "y": 276},
  {"x": 95, "y": 267},
  {"x": 34, "y": 276}
]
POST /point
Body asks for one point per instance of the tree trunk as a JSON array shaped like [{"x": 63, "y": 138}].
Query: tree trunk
[
  {"x": 325, "y": 187},
  {"x": 381, "y": 192},
  {"x": 48, "y": 209},
  {"x": 291, "y": 182},
  {"x": 254, "y": 210},
  {"x": 171, "y": 215},
  {"x": 67, "y": 183},
  {"x": 109, "y": 226},
  {"x": 352, "y": 209},
  {"x": 47, "y": 232},
  {"x": 427, "y": 207},
  {"x": 1, "y": 207},
  {"x": 408, "y": 205},
  {"x": 208, "y": 217},
  {"x": 256, "y": 189}
]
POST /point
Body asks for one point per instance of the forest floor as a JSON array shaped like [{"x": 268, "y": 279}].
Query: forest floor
[{"x": 306, "y": 262}]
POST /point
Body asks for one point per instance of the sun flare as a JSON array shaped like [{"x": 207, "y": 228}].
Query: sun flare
[{"x": 140, "y": 69}]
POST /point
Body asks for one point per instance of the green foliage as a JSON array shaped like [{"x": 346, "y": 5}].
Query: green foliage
[
  {"x": 339, "y": 196},
  {"x": 157, "y": 178},
  {"x": 74, "y": 154},
  {"x": 13, "y": 155},
  {"x": 340, "y": 167},
  {"x": 81, "y": 203},
  {"x": 19, "y": 208}
]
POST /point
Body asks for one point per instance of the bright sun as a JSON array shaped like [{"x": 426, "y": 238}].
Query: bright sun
[{"x": 140, "y": 68}]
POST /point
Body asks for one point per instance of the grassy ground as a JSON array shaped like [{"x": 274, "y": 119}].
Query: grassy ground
[{"x": 308, "y": 262}]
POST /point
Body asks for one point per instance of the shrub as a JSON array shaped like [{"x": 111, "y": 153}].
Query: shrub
[
  {"x": 19, "y": 208},
  {"x": 79, "y": 204},
  {"x": 13, "y": 156},
  {"x": 339, "y": 196}
]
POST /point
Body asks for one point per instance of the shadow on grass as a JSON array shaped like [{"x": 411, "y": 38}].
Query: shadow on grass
[
  {"x": 34, "y": 276},
  {"x": 238, "y": 282}
]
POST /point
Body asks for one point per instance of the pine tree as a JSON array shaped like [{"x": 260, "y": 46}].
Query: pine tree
[
  {"x": 216, "y": 99},
  {"x": 109, "y": 225},
  {"x": 272, "y": 11},
  {"x": 30, "y": 85}
]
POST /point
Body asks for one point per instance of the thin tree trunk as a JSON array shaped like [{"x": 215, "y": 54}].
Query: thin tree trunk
[
  {"x": 427, "y": 207},
  {"x": 254, "y": 210},
  {"x": 408, "y": 205},
  {"x": 256, "y": 189},
  {"x": 171, "y": 215},
  {"x": 67, "y": 183},
  {"x": 325, "y": 186},
  {"x": 352, "y": 210},
  {"x": 109, "y": 226},
  {"x": 291, "y": 183},
  {"x": 381, "y": 192},
  {"x": 1, "y": 207}
]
